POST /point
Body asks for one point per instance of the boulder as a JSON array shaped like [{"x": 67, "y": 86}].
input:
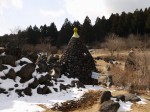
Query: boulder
[
  {"x": 2, "y": 90},
  {"x": 13, "y": 49},
  {"x": 109, "y": 106},
  {"x": 19, "y": 92},
  {"x": 43, "y": 90},
  {"x": 105, "y": 96},
  {"x": 42, "y": 67},
  {"x": 76, "y": 83},
  {"x": 63, "y": 87},
  {"x": 8, "y": 60},
  {"x": 34, "y": 84},
  {"x": 11, "y": 74},
  {"x": 33, "y": 57},
  {"x": 43, "y": 80},
  {"x": 28, "y": 91},
  {"x": 132, "y": 98},
  {"x": 120, "y": 97},
  {"x": 26, "y": 72}
]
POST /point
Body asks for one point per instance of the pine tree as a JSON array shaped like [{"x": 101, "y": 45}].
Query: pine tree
[
  {"x": 87, "y": 34},
  {"x": 77, "y": 61}
]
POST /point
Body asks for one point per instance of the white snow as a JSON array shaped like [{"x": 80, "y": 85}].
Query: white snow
[
  {"x": 29, "y": 103},
  {"x": 124, "y": 106},
  {"x": 11, "y": 102},
  {"x": 143, "y": 101},
  {"x": 23, "y": 60}
]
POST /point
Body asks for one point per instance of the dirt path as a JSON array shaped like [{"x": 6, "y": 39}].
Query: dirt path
[{"x": 93, "y": 108}]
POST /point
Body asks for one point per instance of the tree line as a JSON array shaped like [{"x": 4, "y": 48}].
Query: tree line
[{"x": 137, "y": 23}]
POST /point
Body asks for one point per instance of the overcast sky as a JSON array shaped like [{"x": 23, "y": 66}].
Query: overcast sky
[{"x": 16, "y": 14}]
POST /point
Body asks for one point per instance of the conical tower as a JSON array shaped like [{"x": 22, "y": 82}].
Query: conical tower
[{"x": 77, "y": 61}]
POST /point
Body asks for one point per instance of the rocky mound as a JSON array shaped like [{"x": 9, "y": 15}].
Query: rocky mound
[
  {"x": 26, "y": 77},
  {"x": 77, "y": 61}
]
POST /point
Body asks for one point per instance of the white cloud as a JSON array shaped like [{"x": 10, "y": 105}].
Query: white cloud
[
  {"x": 11, "y": 3},
  {"x": 94, "y": 8},
  {"x": 17, "y": 3},
  {"x": 5, "y": 4},
  {"x": 51, "y": 14},
  {"x": 81, "y": 8}
]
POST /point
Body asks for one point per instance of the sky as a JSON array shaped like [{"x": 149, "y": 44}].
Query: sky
[{"x": 19, "y": 14}]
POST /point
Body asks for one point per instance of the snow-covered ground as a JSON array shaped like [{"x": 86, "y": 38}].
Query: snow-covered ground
[{"x": 13, "y": 103}]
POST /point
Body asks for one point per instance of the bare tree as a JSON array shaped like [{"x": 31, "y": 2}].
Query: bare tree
[{"x": 114, "y": 43}]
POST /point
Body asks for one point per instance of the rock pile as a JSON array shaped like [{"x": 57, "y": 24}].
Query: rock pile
[
  {"x": 25, "y": 77},
  {"x": 110, "y": 103},
  {"x": 77, "y": 61},
  {"x": 130, "y": 63}
]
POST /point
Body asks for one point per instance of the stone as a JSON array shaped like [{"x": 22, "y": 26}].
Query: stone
[
  {"x": 120, "y": 97},
  {"x": 28, "y": 91},
  {"x": 105, "y": 96},
  {"x": 33, "y": 57},
  {"x": 43, "y": 90},
  {"x": 132, "y": 98},
  {"x": 11, "y": 74},
  {"x": 75, "y": 83},
  {"x": 42, "y": 67},
  {"x": 8, "y": 60},
  {"x": 19, "y": 92},
  {"x": 34, "y": 84},
  {"x": 26, "y": 72},
  {"x": 63, "y": 87},
  {"x": 109, "y": 106}
]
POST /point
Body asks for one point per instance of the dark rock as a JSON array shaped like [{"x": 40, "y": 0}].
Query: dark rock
[
  {"x": 26, "y": 72},
  {"x": 60, "y": 81},
  {"x": 14, "y": 50},
  {"x": 109, "y": 106},
  {"x": 3, "y": 77},
  {"x": 42, "y": 67},
  {"x": 75, "y": 83},
  {"x": 34, "y": 84},
  {"x": 48, "y": 83},
  {"x": 11, "y": 74},
  {"x": 120, "y": 97},
  {"x": 52, "y": 59},
  {"x": 27, "y": 91},
  {"x": 43, "y": 90},
  {"x": 132, "y": 98},
  {"x": 1, "y": 68},
  {"x": 19, "y": 92},
  {"x": 4, "y": 67},
  {"x": 16, "y": 85},
  {"x": 8, "y": 60},
  {"x": 105, "y": 96},
  {"x": 42, "y": 80},
  {"x": 2, "y": 90},
  {"x": 22, "y": 63},
  {"x": 63, "y": 87},
  {"x": 48, "y": 77},
  {"x": 33, "y": 57},
  {"x": 55, "y": 89},
  {"x": 10, "y": 89}
]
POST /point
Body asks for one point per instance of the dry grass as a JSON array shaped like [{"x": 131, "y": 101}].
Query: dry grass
[{"x": 86, "y": 102}]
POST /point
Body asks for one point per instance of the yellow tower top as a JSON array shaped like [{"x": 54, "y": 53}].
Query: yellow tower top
[{"x": 75, "y": 34}]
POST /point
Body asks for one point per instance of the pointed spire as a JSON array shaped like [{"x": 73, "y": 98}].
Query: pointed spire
[{"x": 75, "y": 35}]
